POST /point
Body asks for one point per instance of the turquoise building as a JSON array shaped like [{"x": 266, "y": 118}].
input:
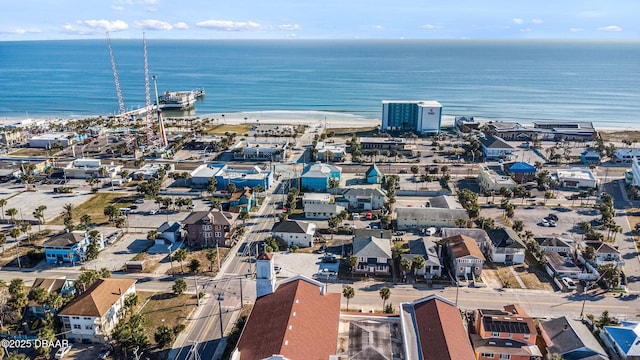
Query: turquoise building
[
  {"x": 69, "y": 247},
  {"x": 373, "y": 175},
  {"x": 316, "y": 176}
]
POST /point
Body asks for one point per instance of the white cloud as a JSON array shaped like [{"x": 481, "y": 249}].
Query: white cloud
[
  {"x": 150, "y": 24},
  {"x": 378, "y": 27},
  {"x": 610, "y": 28},
  {"x": 228, "y": 25},
  {"x": 150, "y": 5},
  {"x": 518, "y": 21},
  {"x": 20, "y": 31},
  {"x": 119, "y": 5},
  {"x": 181, "y": 26},
  {"x": 537, "y": 21},
  {"x": 588, "y": 14},
  {"x": 105, "y": 25},
  {"x": 290, "y": 27},
  {"x": 575, "y": 30},
  {"x": 430, "y": 26},
  {"x": 526, "y": 30}
]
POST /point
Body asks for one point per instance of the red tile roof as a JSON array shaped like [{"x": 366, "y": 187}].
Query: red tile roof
[
  {"x": 441, "y": 332},
  {"x": 296, "y": 321}
]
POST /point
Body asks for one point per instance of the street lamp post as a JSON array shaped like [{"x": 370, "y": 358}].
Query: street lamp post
[
  {"x": 220, "y": 298},
  {"x": 171, "y": 259}
]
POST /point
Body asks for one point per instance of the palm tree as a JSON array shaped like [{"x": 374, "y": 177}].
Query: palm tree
[
  {"x": 68, "y": 210},
  {"x": 85, "y": 220},
  {"x": 3, "y": 240},
  {"x": 348, "y": 292},
  {"x": 405, "y": 265},
  {"x": 244, "y": 216},
  {"x": 15, "y": 233},
  {"x": 180, "y": 255},
  {"x": 385, "y": 294},
  {"x": 419, "y": 262},
  {"x": 12, "y": 212},
  {"x": 3, "y": 203},
  {"x": 152, "y": 234},
  {"x": 211, "y": 255}
]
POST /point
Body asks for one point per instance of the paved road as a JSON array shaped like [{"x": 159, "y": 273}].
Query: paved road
[{"x": 625, "y": 242}]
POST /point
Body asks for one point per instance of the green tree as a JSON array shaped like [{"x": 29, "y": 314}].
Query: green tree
[
  {"x": 353, "y": 262},
  {"x": 3, "y": 203},
  {"x": 419, "y": 262},
  {"x": 348, "y": 292},
  {"x": 163, "y": 336},
  {"x": 211, "y": 255},
  {"x": 40, "y": 295},
  {"x": 3, "y": 241},
  {"x": 244, "y": 216},
  {"x": 12, "y": 212},
  {"x": 180, "y": 255},
  {"x": 48, "y": 334},
  {"x": 130, "y": 333},
  {"x": 85, "y": 220},
  {"x": 194, "y": 265},
  {"x": 385, "y": 294},
  {"x": 518, "y": 226},
  {"x": 152, "y": 234},
  {"x": 611, "y": 274},
  {"x": 179, "y": 286},
  {"x": 405, "y": 265}
]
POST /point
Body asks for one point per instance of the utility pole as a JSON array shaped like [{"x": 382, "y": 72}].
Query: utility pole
[{"x": 220, "y": 298}]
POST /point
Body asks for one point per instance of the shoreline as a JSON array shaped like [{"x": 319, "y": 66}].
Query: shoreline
[{"x": 333, "y": 119}]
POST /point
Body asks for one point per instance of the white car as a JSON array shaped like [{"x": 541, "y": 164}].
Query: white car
[
  {"x": 62, "y": 352},
  {"x": 568, "y": 283},
  {"x": 139, "y": 201}
]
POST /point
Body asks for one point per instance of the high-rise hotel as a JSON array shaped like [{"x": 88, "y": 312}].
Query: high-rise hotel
[{"x": 421, "y": 117}]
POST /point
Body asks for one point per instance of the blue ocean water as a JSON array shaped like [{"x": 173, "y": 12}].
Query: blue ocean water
[{"x": 501, "y": 80}]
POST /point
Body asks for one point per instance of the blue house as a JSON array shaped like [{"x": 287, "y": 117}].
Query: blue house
[
  {"x": 316, "y": 176},
  {"x": 373, "y": 175},
  {"x": 625, "y": 339},
  {"x": 69, "y": 247},
  {"x": 62, "y": 286},
  {"x": 225, "y": 175},
  {"x": 241, "y": 200},
  {"x": 522, "y": 171},
  {"x": 590, "y": 157}
]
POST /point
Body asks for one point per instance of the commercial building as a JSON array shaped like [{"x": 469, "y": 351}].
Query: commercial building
[
  {"x": 576, "y": 178},
  {"x": 544, "y": 130},
  {"x": 149, "y": 171},
  {"x": 382, "y": 143},
  {"x": 635, "y": 172},
  {"x": 626, "y": 155},
  {"x": 441, "y": 211},
  {"x": 51, "y": 139},
  {"x": 84, "y": 168},
  {"x": 239, "y": 176},
  {"x": 92, "y": 315},
  {"x": 331, "y": 153},
  {"x": 267, "y": 150},
  {"x": 489, "y": 180},
  {"x": 419, "y": 116}
]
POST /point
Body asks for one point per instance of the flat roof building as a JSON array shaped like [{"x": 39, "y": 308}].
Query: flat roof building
[{"x": 419, "y": 116}]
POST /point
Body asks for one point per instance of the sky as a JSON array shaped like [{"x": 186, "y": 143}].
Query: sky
[{"x": 319, "y": 19}]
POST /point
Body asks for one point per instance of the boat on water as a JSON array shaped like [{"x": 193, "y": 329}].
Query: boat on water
[{"x": 179, "y": 100}]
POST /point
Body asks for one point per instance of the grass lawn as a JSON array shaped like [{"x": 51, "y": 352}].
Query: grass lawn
[
  {"x": 507, "y": 278},
  {"x": 620, "y": 135},
  {"x": 94, "y": 207},
  {"x": 201, "y": 255},
  {"x": 239, "y": 129},
  {"x": 165, "y": 308},
  {"x": 30, "y": 152},
  {"x": 359, "y": 131}
]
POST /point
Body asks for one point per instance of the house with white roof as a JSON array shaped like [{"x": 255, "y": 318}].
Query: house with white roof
[
  {"x": 625, "y": 155},
  {"x": 576, "y": 178}
]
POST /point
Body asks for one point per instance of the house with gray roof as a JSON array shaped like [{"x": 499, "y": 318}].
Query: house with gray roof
[
  {"x": 494, "y": 147},
  {"x": 505, "y": 246},
  {"x": 571, "y": 339},
  {"x": 300, "y": 233},
  {"x": 428, "y": 250},
  {"x": 320, "y": 211},
  {"x": 364, "y": 198},
  {"x": 374, "y": 256},
  {"x": 554, "y": 244}
]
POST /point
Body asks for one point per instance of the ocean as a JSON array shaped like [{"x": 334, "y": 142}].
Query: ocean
[{"x": 509, "y": 80}]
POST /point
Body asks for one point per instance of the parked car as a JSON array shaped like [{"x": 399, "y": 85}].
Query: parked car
[
  {"x": 139, "y": 201},
  {"x": 277, "y": 269},
  {"x": 553, "y": 217},
  {"x": 568, "y": 283},
  {"x": 62, "y": 352}
]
